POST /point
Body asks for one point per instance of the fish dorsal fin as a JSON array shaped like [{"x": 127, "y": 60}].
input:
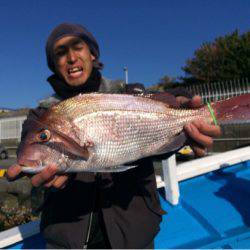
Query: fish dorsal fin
[
  {"x": 71, "y": 146},
  {"x": 164, "y": 97}
]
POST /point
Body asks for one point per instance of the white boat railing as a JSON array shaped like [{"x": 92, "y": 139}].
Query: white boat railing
[
  {"x": 173, "y": 173},
  {"x": 19, "y": 233}
]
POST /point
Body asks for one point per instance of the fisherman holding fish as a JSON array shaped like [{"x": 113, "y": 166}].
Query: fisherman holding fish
[{"x": 99, "y": 206}]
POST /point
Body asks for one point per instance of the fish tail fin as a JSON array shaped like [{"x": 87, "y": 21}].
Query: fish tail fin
[{"x": 233, "y": 110}]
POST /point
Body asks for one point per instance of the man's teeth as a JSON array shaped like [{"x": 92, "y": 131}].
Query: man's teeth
[{"x": 75, "y": 69}]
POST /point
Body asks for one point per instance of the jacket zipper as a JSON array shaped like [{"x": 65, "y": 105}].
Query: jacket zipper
[{"x": 85, "y": 244}]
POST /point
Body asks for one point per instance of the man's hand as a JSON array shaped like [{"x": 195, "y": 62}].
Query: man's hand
[
  {"x": 46, "y": 177},
  {"x": 200, "y": 133}
]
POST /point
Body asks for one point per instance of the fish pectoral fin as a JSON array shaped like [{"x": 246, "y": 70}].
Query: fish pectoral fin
[
  {"x": 173, "y": 146},
  {"x": 81, "y": 152}
]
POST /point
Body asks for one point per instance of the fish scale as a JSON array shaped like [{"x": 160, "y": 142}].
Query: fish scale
[
  {"x": 104, "y": 132},
  {"x": 130, "y": 134}
]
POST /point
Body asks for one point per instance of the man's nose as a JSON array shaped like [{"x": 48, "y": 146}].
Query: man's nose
[{"x": 72, "y": 56}]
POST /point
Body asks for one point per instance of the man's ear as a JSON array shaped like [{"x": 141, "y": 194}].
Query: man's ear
[{"x": 93, "y": 57}]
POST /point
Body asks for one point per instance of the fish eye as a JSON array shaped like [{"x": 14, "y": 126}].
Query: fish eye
[{"x": 44, "y": 135}]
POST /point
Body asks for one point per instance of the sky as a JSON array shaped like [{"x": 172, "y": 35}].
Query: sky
[{"x": 152, "y": 38}]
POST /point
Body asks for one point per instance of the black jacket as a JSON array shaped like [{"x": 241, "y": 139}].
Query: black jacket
[{"x": 128, "y": 200}]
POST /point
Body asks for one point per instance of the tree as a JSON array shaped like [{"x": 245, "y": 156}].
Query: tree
[
  {"x": 226, "y": 58},
  {"x": 164, "y": 83}
]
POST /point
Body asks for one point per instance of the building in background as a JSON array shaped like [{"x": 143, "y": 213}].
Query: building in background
[{"x": 11, "y": 127}]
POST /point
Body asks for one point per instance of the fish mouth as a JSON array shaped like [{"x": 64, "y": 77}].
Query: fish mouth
[
  {"x": 32, "y": 170},
  {"x": 31, "y": 166}
]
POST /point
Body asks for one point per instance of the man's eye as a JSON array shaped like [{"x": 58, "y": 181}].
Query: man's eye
[
  {"x": 78, "y": 47},
  {"x": 60, "y": 53}
]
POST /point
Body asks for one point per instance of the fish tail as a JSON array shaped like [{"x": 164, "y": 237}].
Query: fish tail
[{"x": 233, "y": 110}]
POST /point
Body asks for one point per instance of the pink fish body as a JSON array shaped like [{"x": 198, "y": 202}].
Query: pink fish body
[{"x": 107, "y": 132}]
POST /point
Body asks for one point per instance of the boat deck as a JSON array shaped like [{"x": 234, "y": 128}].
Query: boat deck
[{"x": 213, "y": 213}]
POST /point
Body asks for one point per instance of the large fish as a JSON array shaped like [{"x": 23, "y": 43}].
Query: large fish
[{"x": 108, "y": 132}]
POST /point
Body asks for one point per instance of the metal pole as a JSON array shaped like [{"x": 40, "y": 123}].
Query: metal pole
[{"x": 126, "y": 74}]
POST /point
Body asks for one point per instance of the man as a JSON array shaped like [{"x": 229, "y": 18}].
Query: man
[{"x": 107, "y": 210}]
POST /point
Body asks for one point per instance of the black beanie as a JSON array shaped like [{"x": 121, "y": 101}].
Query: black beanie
[{"x": 69, "y": 29}]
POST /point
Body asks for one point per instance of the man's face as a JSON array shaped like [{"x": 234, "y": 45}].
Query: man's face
[{"x": 73, "y": 60}]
